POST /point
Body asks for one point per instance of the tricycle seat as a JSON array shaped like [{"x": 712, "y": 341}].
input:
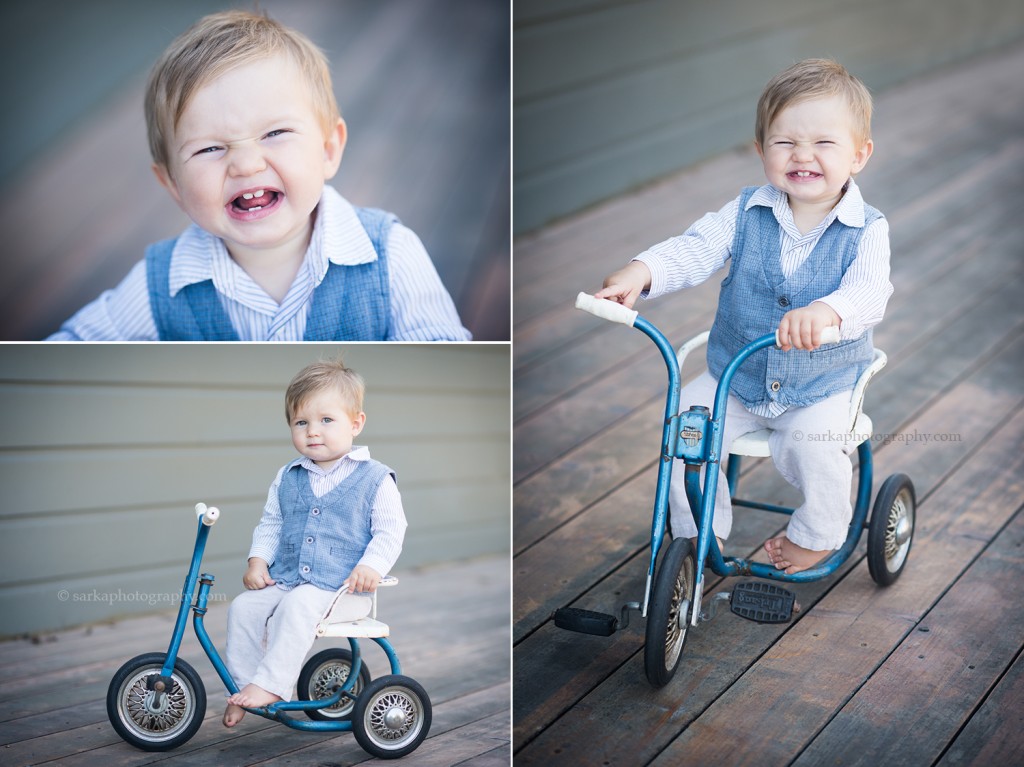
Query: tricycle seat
[{"x": 369, "y": 627}]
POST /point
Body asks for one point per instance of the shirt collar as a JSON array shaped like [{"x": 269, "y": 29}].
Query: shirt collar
[
  {"x": 357, "y": 453},
  {"x": 849, "y": 210},
  {"x": 338, "y": 237}
]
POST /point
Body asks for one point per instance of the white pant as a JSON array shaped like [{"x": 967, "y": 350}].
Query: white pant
[
  {"x": 807, "y": 454},
  {"x": 270, "y": 630}
]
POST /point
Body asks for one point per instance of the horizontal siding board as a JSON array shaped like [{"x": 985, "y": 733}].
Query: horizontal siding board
[{"x": 96, "y": 415}]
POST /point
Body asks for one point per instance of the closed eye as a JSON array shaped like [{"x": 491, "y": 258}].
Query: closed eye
[
  {"x": 277, "y": 132},
  {"x": 207, "y": 150}
]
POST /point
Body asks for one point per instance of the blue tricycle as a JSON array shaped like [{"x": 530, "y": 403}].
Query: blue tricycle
[
  {"x": 157, "y": 701},
  {"x": 674, "y": 589}
]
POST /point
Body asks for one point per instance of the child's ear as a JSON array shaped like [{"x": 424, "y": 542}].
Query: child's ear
[
  {"x": 862, "y": 155},
  {"x": 334, "y": 148},
  {"x": 164, "y": 177},
  {"x": 358, "y": 422}
]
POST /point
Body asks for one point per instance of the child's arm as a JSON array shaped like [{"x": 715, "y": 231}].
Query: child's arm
[
  {"x": 421, "y": 307},
  {"x": 265, "y": 538},
  {"x": 856, "y": 306},
  {"x": 387, "y": 531},
  {"x": 679, "y": 262},
  {"x": 120, "y": 314}
]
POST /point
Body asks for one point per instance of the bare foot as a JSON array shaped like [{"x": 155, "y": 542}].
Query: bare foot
[
  {"x": 252, "y": 696},
  {"x": 786, "y": 555},
  {"x": 233, "y": 715}
]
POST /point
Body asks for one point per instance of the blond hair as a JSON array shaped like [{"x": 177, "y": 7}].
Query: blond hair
[
  {"x": 212, "y": 46},
  {"x": 325, "y": 375},
  {"x": 814, "y": 78}
]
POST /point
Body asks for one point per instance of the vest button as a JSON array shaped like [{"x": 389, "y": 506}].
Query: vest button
[
  {"x": 315, "y": 512},
  {"x": 309, "y": 540},
  {"x": 783, "y": 301},
  {"x": 305, "y": 568},
  {"x": 776, "y": 386}
]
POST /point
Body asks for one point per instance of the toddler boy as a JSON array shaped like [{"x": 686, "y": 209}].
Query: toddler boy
[
  {"x": 806, "y": 253},
  {"x": 333, "y": 517},
  {"x": 244, "y": 132}
]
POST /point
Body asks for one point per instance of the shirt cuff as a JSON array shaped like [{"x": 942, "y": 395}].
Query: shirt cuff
[
  {"x": 849, "y": 329},
  {"x": 658, "y": 275},
  {"x": 264, "y": 553}
]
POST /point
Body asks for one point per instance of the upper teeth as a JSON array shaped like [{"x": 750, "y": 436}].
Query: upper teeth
[
  {"x": 250, "y": 195},
  {"x": 803, "y": 173}
]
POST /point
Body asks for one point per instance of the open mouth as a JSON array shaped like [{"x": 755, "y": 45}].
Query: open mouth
[
  {"x": 250, "y": 204},
  {"x": 803, "y": 175}
]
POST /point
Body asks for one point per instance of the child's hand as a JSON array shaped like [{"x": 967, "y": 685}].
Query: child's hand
[
  {"x": 258, "y": 575},
  {"x": 362, "y": 579},
  {"x": 626, "y": 285},
  {"x": 801, "y": 328}
]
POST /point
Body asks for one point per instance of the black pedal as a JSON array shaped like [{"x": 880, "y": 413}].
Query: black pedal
[
  {"x": 762, "y": 602},
  {"x": 585, "y": 621}
]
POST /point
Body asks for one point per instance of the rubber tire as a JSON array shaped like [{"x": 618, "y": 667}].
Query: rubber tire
[
  {"x": 370, "y": 705},
  {"x": 129, "y": 677},
  {"x": 896, "y": 491},
  {"x": 673, "y": 586},
  {"x": 314, "y": 668}
]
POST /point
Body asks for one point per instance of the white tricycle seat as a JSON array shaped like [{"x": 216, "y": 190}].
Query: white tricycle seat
[
  {"x": 755, "y": 444},
  {"x": 367, "y": 628}
]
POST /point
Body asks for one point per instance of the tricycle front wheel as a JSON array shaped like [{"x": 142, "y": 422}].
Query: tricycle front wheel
[
  {"x": 151, "y": 720},
  {"x": 891, "y": 529},
  {"x": 669, "y": 615}
]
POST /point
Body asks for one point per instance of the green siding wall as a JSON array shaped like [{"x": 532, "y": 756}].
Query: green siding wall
[
  {"x": 104, "y": 450},
  {"x": 610, "y": 95}
]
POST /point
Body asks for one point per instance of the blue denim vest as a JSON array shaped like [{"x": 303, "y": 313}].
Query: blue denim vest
[
  {"x": 352, "y": 303},
  {"x": 323, "y": 538},
  {"x": 756, "y": 295}
]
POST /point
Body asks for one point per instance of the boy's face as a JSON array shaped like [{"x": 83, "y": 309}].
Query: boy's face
[
  {"x": 253, "y": 129},
  {"x": 323, "y": 428},
  {"x": 810, "y": 152}
]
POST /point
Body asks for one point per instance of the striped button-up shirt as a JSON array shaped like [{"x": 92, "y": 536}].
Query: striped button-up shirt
[
  {"x": 421, "y": 308},
  {"x": 691, "y": 258},
  {"x": 387, "y": 519}
]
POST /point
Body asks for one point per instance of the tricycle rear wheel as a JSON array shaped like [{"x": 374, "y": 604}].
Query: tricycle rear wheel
[
  {"x": 318, "y": 677},
  {"x": 891, "y": 530},
  {"x": 391, "y": 717},
  {"x": 669, "y": 615}
]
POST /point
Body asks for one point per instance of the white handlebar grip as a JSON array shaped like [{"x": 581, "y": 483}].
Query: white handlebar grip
[
  {"x": 211, "y": 515},
  {"x": 200, "y": 509},
  {"x": 605, "y": 309},
  {"x": 829, "y": 335}
]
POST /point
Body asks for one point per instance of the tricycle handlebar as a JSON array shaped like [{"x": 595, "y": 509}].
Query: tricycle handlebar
[
  {"x": 615, "y": 312},
  {"x": 605, "y": 309},
  {"x": 208, "y": 514}
]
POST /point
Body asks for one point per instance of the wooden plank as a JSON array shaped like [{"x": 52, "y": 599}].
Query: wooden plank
[
  {"x": 995, "y": 734},
  {"x": 911, "y": 707}
]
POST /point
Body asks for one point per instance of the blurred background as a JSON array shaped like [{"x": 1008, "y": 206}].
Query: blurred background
[
  {"x": 422, "y": 84},
  {"x": 105, "y": 449},
  {"x": 613, "y": 94}
]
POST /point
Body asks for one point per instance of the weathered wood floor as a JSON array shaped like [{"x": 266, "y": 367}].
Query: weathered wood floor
[
  {"x": 449, "y": 624},
  {"x": 926, "y": 672},
  {"x": 422, "y": 84}
]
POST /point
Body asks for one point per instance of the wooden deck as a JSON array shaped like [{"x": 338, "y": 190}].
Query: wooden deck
[
  {"x": 926, "y": 672},
  {"x": 422, "y": 84},
  {"x": 449, "y": 624}
]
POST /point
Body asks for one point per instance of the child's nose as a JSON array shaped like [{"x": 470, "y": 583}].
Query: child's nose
[{"x": 246, "y": 159}]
